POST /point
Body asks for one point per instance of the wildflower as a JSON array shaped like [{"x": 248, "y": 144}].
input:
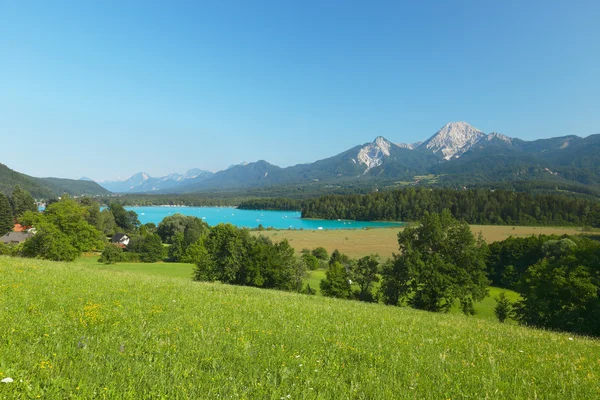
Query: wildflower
[
  {"x": 7, "y": 380},
  {"x": 570, "y": 338}
]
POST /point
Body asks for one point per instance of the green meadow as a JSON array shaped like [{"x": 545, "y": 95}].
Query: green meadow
[
  {"x": 484, "y": 309},
  {"x": 82, "y": 331}
]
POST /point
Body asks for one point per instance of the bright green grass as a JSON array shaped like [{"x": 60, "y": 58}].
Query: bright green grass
[
  {"x": 176, "y": 270},
  {"x": 484, "y": 309},
  {"x": 71, "y": 331}
]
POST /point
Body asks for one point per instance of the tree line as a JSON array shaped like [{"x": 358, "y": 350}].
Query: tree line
[
  {"x": 441, "y": 264},
  {"x": 479, "y": 206},
  {"x": 13, "y": 207},
  {"x": 558, "y": 279}
]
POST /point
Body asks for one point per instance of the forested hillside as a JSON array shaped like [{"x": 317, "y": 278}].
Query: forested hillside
[
  {"x": 44, "y": 188},
  {"x": 479, "y": 206}
]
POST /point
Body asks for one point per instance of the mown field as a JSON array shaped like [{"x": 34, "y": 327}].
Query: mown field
[
  {"x": 383, "y": 241},
  {"x": 72, "y": 331}
]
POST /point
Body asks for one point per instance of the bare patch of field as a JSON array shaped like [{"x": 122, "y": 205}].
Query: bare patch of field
[{"x": 383, "y": 241}]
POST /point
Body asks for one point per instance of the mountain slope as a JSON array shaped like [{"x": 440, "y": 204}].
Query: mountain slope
[
  {"x": 46, "y": 187},
  {"x": 142, "y": 182},
  {"x": 377, "y": 159},
  {"x": 72, "y": 186},
  {"x": 453, "y": 140}
]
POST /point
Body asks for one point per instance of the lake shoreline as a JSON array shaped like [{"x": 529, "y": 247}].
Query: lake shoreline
[{"x": 254, "y": 219}]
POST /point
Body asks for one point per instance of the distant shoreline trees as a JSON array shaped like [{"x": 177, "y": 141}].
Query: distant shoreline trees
[{"x": 475, "y": 206}]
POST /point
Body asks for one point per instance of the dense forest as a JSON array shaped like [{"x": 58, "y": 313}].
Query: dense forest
[
  {"x": 169, "y": 200},
  {"x": 476, "y": 206},
  {"x": 479, "y": 206},
  {"x": 279, "y": 204}
]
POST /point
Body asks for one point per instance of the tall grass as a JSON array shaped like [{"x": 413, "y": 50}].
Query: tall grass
[{"x": 71, "y": 331}]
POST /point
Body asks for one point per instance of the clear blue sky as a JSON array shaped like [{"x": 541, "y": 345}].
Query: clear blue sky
[{"x": 109, "y": 88}]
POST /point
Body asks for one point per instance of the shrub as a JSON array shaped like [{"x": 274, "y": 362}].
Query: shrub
[{"x": 112, "y": 254}]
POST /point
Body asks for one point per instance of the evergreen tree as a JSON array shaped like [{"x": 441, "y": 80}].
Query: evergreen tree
[
  {"x": 22, "y": 201},
  {"x": 503, "y": 309},
  {"x": 6, "y": 215},
  {"x": 336, "y": 282}
]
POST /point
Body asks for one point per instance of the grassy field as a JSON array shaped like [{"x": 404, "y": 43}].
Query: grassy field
[
  {"x": 484, "y": 309},
  {"x": 72, "y": 331},
  {"x": 175, "y": 270},
  {"x": 383, "y": 241}
]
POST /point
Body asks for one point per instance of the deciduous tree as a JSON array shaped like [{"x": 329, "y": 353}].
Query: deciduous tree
[{"x": 440, "y": 262}]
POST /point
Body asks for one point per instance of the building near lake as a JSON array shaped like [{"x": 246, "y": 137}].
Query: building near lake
[{"x": 15, "y": 237}]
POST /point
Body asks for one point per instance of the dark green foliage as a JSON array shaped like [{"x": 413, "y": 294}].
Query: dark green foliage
[
  {"x": 509, "y": 259},
  {"x": 231, "y": 255},
  {"x": 308, "y": 290},
  {"x": 149, "y": 248},
  {"x": 111, "y": 254},
  {"x": 177, "y": 248},
  {"x": 181, "y": 231},
  {"x": 22, "y": 201},
  {"x": 503, "y": 309},
  {"x": 364, "y": 274},
  {"x": 311, "y": 261},
  {"x": 51, "y": 243},
  {"x": 278, "y": 204},
  {"x": 336, "y": 282},
  {"x": 191, "y": 227},
  {"x": 338, "y": 257},
  {"x": 127, "y": 221},
  {"x": 72, "y": 187},
  {"x": 6, "y": 216},
  {"x": 562, "y": 291},
  {"x": 320, "y": 253},
  {"x": 440, "y": 262},
  {"x": 479, "y": 206},
  {"x": 45, "y": 188},
  {"x": 63, "y": 232}
]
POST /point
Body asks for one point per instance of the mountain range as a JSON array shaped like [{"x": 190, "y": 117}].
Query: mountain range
[
  {"x": 142, "y": 182},
  {"x": 457, "y": 154}
]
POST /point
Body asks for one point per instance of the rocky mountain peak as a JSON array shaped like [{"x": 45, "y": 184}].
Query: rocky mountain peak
[
  {"x": 454, "y": 139},
  {"x": 372, "y": 154},
  {"x": 498, "y": 136}
]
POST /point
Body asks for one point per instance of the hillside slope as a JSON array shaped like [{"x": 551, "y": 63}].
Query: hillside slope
[
  {"x": 10, "y": 178},
  {"x": 120, "y": 335},
  {"x": 72, "y": 186},
  {"x": 46, "y": 187}
]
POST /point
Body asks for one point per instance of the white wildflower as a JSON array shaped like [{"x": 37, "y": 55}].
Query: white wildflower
[{"x": 7, "y": 380}]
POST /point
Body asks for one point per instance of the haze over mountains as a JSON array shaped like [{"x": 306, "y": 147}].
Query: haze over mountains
[
  {"x": 457, "y": 153},
  {"x": 142, "y": 182}
]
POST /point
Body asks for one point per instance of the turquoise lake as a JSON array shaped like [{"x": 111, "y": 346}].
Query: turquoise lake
[{"x": 252, "y": 218}]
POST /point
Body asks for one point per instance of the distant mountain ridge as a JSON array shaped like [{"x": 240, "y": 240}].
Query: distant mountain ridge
[
  {"x": 142, "y": 182},
  {"x": 457, "y": 153}
]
